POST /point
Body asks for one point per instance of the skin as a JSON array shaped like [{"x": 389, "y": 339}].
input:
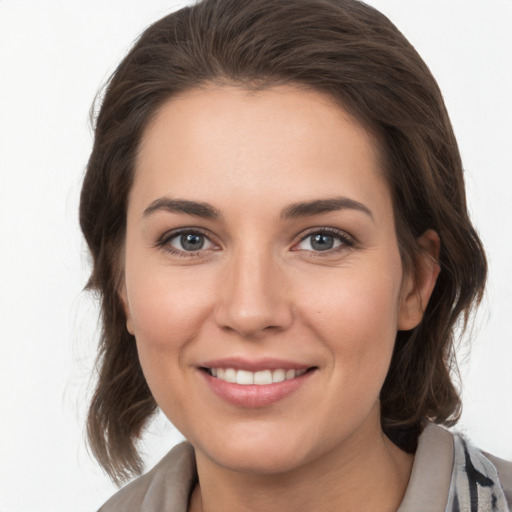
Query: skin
[{"x": 259, "y": 288}]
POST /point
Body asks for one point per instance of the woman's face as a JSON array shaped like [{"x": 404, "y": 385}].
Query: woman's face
[{"x": 263, "y": 281}]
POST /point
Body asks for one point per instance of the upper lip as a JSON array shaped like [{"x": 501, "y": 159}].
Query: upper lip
[{"x": 254, "y": 365}]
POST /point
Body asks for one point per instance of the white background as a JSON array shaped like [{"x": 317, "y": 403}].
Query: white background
[{"x": 54, "y": 56}]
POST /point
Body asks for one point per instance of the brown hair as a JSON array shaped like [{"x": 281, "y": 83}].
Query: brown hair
[{"x": 357, "y": 56}]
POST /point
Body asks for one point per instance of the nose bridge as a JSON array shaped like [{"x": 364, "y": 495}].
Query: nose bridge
[{"x": 253, "y": 296}]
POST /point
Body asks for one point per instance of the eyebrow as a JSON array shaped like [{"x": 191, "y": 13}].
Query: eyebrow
[
  {"x": 319, "y": 206},
  {"x": 196, "y": 208},
  {"x": 292, "y": 211}
]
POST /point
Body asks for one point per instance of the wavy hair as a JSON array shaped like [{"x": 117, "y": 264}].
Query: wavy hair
[{"x": 353, "y": 53}]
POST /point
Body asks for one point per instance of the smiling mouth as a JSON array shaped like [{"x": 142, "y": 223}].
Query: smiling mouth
[{"x": 261, "y": 378}]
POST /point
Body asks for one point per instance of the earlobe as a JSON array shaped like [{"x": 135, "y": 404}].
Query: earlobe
[
  {"x": 129, "y": 325},
  {"x": 417, "y": 287},
  {"x": 124, "y": 301}
]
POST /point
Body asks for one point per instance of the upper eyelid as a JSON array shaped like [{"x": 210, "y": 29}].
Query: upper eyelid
[
  {"x": 169, "y": 235},
  {"x": 325, "y": 229}
]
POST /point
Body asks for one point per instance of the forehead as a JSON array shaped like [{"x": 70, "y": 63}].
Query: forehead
[{"x": 284, "y": 141}]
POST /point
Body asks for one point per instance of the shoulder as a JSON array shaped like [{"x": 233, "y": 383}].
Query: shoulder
[
  {"x": 504, "y": 471},
  {"x": 480, "y": 478},
  {"x": 165, "y": 487},
  {"x": 450, "y": 474},
  {"x": 429, "y": 483}
]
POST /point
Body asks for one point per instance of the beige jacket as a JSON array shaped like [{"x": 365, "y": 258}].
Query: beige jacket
[{"x": 437, "y": 483}]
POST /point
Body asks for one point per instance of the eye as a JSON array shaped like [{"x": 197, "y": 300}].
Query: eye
[
  {"x": 186, "y": 242},
  {"x": 324, "y": 240}
]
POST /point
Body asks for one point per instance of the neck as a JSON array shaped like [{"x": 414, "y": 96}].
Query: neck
[{"x": 338, "y": 481}]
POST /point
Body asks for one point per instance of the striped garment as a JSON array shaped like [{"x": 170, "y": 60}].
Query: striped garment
[{"x": 475, "y": 486}]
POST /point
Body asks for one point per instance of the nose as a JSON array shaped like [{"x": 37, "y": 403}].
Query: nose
[{"x": 253, "y": 297}]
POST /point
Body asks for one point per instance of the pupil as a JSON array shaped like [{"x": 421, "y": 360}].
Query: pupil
[
  {"x": 322, "y": 242},
  {"x": 192, "y": 242}
]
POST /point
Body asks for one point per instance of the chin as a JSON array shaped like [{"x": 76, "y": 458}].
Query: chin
[
  {"x": 262, "y": 453},
  {"x": 259, "y": 462}
]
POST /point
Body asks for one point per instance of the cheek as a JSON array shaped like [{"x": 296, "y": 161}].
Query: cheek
[
  {"x": 355, "y": 299},
  {"x": 355, "y": 315},
  {"x": 164, "y": 304},
  {"x": 167, "y": 312}
]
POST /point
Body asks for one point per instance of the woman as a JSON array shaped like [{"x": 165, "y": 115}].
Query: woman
[{"x": 276, "y": 212}]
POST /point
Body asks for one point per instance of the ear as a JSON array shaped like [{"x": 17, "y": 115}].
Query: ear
[
  {"x": 123, "y": 297},
  {"x": 417, "y": 287}
]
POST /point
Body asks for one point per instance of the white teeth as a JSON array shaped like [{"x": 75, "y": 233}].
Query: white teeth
[
  {"x": 261, "y": 378},
  {"x": 230, "y": 375},
  {"x": 244, "y": 377},
  {"x": 278, "y": 375}
]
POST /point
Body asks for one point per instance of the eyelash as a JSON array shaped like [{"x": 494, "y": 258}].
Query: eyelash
[
  {"x": 345, "y": 240},
  {"x": 164, "y": 242}
]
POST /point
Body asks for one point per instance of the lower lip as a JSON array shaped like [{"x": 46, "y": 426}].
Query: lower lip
[{"x": 254, "y": 395}]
